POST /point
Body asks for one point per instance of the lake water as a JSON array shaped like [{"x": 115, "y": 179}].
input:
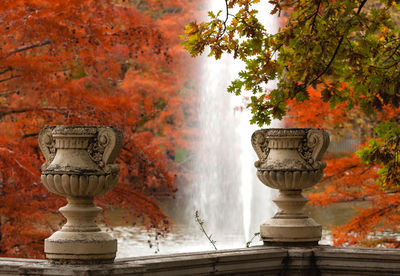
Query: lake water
[{"x": 137, "y": 241}]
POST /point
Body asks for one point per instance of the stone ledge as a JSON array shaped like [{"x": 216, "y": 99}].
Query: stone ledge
[
  {"x": 357, "y": 261},
  {"x": 260, "y": 260}
]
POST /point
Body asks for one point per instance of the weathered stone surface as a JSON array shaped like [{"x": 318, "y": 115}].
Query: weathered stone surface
[
  {"x": 260, "y": 260},
  {"x": 290, "y": 160},
  {"x": 357, "y": 261},
  {"x": 290, "y": 149},
  {"x": 79, "y": 165}
]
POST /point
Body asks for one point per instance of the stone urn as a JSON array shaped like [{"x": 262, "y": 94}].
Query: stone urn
[
  {"x": 290, "y": 160},
  {"x": 79, "y": 167}
]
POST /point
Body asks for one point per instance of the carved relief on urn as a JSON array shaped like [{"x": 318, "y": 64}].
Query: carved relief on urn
[
  {"x": 79, "y": 166},
  {"x": 290, "y": 160}
]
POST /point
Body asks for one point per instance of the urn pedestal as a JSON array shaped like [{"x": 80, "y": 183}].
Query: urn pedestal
[
  {"x": 79, "y": 166},
  {"x": 290, "y": 160}
]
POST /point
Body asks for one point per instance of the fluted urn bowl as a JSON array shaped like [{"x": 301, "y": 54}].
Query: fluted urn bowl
[
  {"x": 289, "y": 180},
  {"x": 79, "y": 186},
  {"x": 290, "y": 158}
]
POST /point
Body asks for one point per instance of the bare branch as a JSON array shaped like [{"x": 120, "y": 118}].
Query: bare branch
[
  {"x": 30, "y": 135},
  {"x": 227, "y": 15},
  {"x": 393, "y": 53},
  {"x": 201, "y": 223},
  {"x": 329, "y": 63},
  {"x": 26, "y": 48},
  {"x": 10, "y": 78},
  {"x": 361, "y": 6},
  {"x": 23, "y": 110},
  {"x": 5, "y": 93},
  {"x": 336, "y": 50},
  {"x": 315, "y": 16},
  {"x": 8, "y": 69}
]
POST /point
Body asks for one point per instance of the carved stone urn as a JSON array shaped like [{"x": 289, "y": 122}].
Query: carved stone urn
[
  {"x": 290, "y": 160},
  {"x": 79, "y": 166}
]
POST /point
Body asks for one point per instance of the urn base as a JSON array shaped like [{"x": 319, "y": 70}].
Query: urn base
[
  {"x": 80, "y": 248},
  {"x": 291, "y": 232}
]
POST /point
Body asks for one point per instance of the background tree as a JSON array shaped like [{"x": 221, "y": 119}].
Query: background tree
[
  {"x": 348, "y": 179},
  {"x": 341, "y": 55},
  {"x": 90, "y": 62}
]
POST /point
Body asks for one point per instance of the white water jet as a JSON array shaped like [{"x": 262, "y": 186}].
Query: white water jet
[{"x": 226, "y": 191}]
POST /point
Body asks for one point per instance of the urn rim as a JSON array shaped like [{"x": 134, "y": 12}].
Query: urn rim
[
  {"x": 75, "y": 130},
  {"x": 285, "y": 132}
]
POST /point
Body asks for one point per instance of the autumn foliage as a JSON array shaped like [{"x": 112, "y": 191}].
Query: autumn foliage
[
  {"x": 346, "y": 177},
  {"x": 90, "y": 62}
]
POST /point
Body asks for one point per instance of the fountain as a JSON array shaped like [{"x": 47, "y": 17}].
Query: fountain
[
  {"x": 225, "y": 190},
  {"x": 224, "y": 187}
]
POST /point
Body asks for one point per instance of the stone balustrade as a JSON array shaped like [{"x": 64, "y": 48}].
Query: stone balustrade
[
  {"x": 79, "y": 165},
  {"x": 260, "y": 260}
]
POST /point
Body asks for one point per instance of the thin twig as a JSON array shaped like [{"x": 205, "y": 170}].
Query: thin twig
[
  {"x": 251, "y": 240},
  {"x": 336, "y": 50},
  {"x": 23, "y": 110},
  {"x": 315, "y": 16},
  {"x": 201, "y": 222},
  {"x": 5, "y": 93},
  {"x": 226, "y": 20},
  {"x": 30, "y": 135},
  {"x": 394, "y": 52},
  {"x": 10, "y": 78},
  {"x": 6, "y": 70}
]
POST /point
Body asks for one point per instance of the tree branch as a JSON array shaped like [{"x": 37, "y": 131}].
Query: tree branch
[
  {"x": 5, "y": 93},
  {"x": 329, "y": 63},
  {"x": 26, "y": 48},
  {"x": 396, "y": 62},
  {"x": 201, "y": 222},
  {"x": 315, "y": 16},
  {"x": 226, "y": 19},
  {"x": 361, "y": 6},
  {"x": 393, "y": 53},
  {"x": 336, "y": 50},
  {"x": 5, "y": 70},
  {"x": 30, "y": 135},
  {"x": 10, "y": 78},
  {"x": 23, "y": 110}
]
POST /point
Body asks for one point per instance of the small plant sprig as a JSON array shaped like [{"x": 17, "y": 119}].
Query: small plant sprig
[
  {"x": 201, "y": 223},
  {"x": 251, "y": 240}
]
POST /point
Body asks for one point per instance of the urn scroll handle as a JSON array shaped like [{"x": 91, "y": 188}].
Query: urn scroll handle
[
  {"x": 318, "y": 141},
  {"x": 46, "y": 144},
  {"x": 111, "y": 140},
  {"x": 260, "y": 145}
]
